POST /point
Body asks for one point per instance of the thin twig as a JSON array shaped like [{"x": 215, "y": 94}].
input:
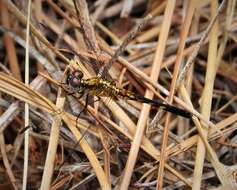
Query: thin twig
[
  {"x": 122, "y": 47},
  {"x": 198, "y": 46}
]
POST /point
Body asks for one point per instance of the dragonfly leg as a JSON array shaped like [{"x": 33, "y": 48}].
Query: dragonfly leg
[
  {"x": 63, "y": 83},
  {"x": 86, "y": 104},
  {"x": 79, "y": 97}
]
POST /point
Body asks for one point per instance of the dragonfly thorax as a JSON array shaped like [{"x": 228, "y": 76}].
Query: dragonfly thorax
[{"x": 74, "y": 79}]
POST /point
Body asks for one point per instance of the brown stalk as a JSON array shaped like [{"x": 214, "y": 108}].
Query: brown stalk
[{"x": 183, "y": 36}]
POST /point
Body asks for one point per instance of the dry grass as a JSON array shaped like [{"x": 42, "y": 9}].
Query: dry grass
[{"x": 184, "y": 55}]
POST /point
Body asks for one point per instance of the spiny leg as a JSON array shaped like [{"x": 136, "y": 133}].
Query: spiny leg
[
  {"x": 86, "y": 104},
  {"x": 85, "y": 107},
  {"x": 83, "y": 134},
  {"x": 86, "y": 130},
  {"x": 79, "y": 97}
]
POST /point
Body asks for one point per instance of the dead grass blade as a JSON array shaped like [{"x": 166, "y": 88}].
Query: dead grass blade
[{"x": 18, "y": 90}]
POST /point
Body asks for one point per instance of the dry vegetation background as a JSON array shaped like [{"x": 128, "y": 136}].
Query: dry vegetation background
[{"x": 185, "y": 55}]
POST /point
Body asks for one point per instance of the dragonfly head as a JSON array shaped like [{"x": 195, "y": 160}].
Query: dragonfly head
[{"x": 74, "y": 78}]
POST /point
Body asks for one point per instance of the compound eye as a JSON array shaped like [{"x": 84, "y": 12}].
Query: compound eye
[
  {"x": 77, "y": 74},
  {"x": 69, "y": 78},
  {"x": 73, "y": 81}
]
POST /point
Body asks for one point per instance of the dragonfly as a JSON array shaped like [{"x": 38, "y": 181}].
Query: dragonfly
[{"x": 102, "y": 86}]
